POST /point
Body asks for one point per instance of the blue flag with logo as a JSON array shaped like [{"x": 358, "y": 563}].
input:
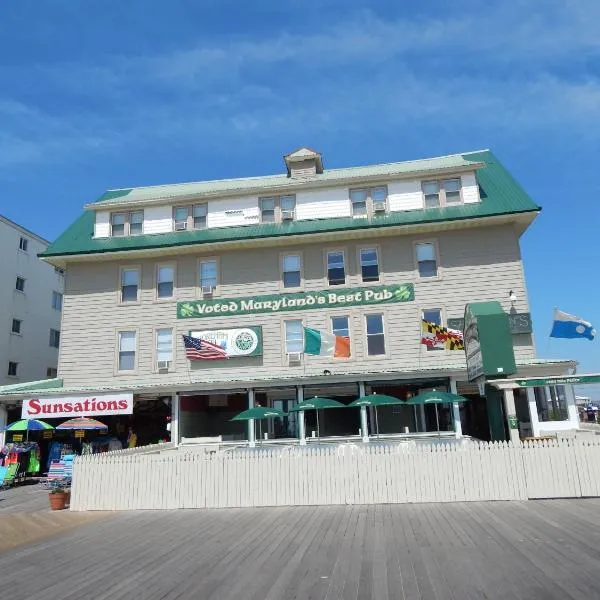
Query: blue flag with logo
[{"x": 569, "y": 326}]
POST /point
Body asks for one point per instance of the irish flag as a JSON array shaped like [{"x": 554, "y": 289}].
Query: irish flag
[{"x": 322, "y": 343}]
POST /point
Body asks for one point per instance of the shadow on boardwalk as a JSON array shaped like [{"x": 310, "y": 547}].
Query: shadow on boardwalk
[{"x": 534, "y": 550}]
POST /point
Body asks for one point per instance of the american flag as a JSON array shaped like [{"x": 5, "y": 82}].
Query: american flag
[{"x": 198, "y": 349}]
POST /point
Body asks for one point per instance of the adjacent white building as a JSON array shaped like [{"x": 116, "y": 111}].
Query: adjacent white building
[{"x": 30, "y": 307}]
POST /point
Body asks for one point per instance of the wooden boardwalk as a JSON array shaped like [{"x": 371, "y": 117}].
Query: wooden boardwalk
[{"x": 497, "y": 550}]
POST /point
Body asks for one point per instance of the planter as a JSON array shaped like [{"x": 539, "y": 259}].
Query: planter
[
  {"x": 67, "y": 497},
  {"x": 58, "y": 500}
]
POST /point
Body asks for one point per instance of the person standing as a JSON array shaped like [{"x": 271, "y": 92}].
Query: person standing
[{"x": 131, "y": 438}]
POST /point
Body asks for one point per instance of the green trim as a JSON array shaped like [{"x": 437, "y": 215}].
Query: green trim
[
  {"x": 32, "y": 386},
  {"x": 500, "y": 195}
]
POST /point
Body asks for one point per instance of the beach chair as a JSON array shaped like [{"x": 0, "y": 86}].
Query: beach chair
[
  {"x": 3, "y": 471},
  {"x": 10, "y": 477}
]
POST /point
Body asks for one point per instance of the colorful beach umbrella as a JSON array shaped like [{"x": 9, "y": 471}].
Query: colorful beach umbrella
[
  {"x": 28, "y": 425},
  {"x": 82, "y": 423},
  {"x": 317, "y": 403}
]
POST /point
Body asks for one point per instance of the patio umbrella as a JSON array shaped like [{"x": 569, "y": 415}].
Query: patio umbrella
[
  {"x": 376, "y": 400},
  {"x": 82, "y": 423},
  {"x": 435, "y": 397},
  {"x": 28, "y": 425},
  {"x": 258, "y": 413},
  {"x": 317, "y": 403}
]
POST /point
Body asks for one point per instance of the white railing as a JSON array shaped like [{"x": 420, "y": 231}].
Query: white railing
[{"x": 351, "y": 474}]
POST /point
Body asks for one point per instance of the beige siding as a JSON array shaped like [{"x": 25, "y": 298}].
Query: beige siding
[
  {"x": 158, "y": 219},
  {"x": 476, "y": 264}
]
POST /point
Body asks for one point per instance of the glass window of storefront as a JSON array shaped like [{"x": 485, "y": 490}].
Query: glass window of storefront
[{"x": 551, "y": 402}]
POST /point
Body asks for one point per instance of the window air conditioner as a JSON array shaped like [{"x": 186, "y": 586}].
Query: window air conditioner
[
  {"x": 287, "y": 215},
  {"x": 207, "y": 290},
  {"x": 180, "y": 225},
  {"x": 294, "y": 359},
  {"x": 164, "y": 365},
  {"x": 379, "y": 206}
]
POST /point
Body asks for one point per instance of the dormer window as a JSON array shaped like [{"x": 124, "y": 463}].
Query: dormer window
[
  {"x": 303, "y": 163},
  {"x": 277, "y": 209},
  {"x": 442, "y": 193},
  {"x": 367, "y": 202},
  {"x": 190, "y": 217},
  {"x": 124, "y": 223}
]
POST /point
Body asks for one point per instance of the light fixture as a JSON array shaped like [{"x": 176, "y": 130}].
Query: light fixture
[{"x": 512, "y": 297}]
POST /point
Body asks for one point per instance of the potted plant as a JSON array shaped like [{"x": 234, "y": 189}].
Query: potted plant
[{"x": 58, "y": 499}]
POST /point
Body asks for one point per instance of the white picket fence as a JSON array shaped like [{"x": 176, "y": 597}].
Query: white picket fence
[{"x": 337, "y": 475}]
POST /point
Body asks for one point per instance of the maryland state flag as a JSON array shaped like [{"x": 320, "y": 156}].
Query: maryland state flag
[{"x": 436, "y": 336}]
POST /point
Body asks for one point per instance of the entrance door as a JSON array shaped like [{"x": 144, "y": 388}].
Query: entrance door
[{"x": 285, "y": 427}]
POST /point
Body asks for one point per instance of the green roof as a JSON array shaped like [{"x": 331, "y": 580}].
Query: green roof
[
  {"x": 32, "y": 386},
  {"x": 500, "y": 195}
]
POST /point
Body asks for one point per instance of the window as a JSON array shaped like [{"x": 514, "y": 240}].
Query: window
[
  {"x": 340, "y": 326},
  {"x": 441, "y": 193},
  {"x": 369, "y": 264},
  {"x": 433, "y": 315},
  {"x": 292, "y": 270},
  {"x": 208, "y": 274},
  {"x": 277, "y": 209},
  {"x": 127, "y": 343},
  {"x": 23, "y": 243},
  {"x": 20, "y": 284},
  {"x": 130, "y": 281},
  {"x": 294, "y": 337},
  {"x": 199, "y": 213},
  {"x": 60, "y": 272},
  {"x": 12, "y": 369},
  {"x": 336, "y": 269},
  {"x": 51, "y": 372},
  {"x": 426, "y": 260},
  {"x": 180, "y": 216},
  {"x": 165, "y": 277},
  {"x": 16, "y": 326},
  {"x": 127, "y": 223},
  {"x": 368, "y": 201},
  {"x": 136, "y": 222},
  {"x": 54, "y": 338},
  {"x": 375, "y": 335},
  {"x": 117, "y": 224},
  {"x": 551, "y": 403},
  {"x": 57, "y": 299},
  {"x": 164, "y": 348}
]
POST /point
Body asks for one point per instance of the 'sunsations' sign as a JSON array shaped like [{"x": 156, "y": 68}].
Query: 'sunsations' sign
[
  {"x": 382, "y": 294},
  {"x": 78, "y": 406}
]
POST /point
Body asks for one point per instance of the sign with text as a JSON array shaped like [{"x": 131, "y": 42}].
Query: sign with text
[
  {"x": 566, "y": 380},
  {"x": 245, "y": 341},
  {"x": 518, "y": 322},
  {"x": 78, "y": 406},
  {"x": 331, "y": 298}
]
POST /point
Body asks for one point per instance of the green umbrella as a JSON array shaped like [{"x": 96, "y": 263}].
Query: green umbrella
[
  {"x": 28, "y": 425},
  {"x": 376, "y": 400},
  {"x": 317, "y": 403},
  {"x": 435, "y": 397},
  {"x": 258, "y": 413}
]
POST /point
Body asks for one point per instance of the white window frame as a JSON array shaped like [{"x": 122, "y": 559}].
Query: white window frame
[
  {"x": 49, "y": 375},
  {"x": 377, "y": 249},
  {"x": 348, "y": 317},
  {"x": 442, "y": 201},
  {"x": 369, "y": 201},
  {"x": 285, "y": 340},
  {"x": 54, "y": 336},
  {"x": 383, "y": 316},
  {"x": 14, "y": 375},
  {"x": 23, "y": 244},
  {"x": 156, "y": 349},
  {"x": 436, "y": 249},
  {"x": 190, "y": 223},
  {"x": 282, "y": 257},
  {"x": 127, "y": 222},
  {"x": 24, "y": 280},
  {"x": 217, "y": 287},
  {"x": 122, "y": 269},
  {"x": 277, "y": 210},
  {"x": 56, "y": 295},
  {"x": 12, "y": 330},
  {"x": 427, "y": 349},
  {"x": 160, "y": 266},
  {"x": 329, "y": 251},
  {"x": 133, "y": 371}
]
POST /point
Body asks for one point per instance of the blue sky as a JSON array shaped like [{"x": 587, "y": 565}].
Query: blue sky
[{"x": 105, "y": 94}]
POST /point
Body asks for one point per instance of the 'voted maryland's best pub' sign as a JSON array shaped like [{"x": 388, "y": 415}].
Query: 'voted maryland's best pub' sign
[
  {"x": 251, "y": 305},
  {"x": 488, "y": 341}
]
